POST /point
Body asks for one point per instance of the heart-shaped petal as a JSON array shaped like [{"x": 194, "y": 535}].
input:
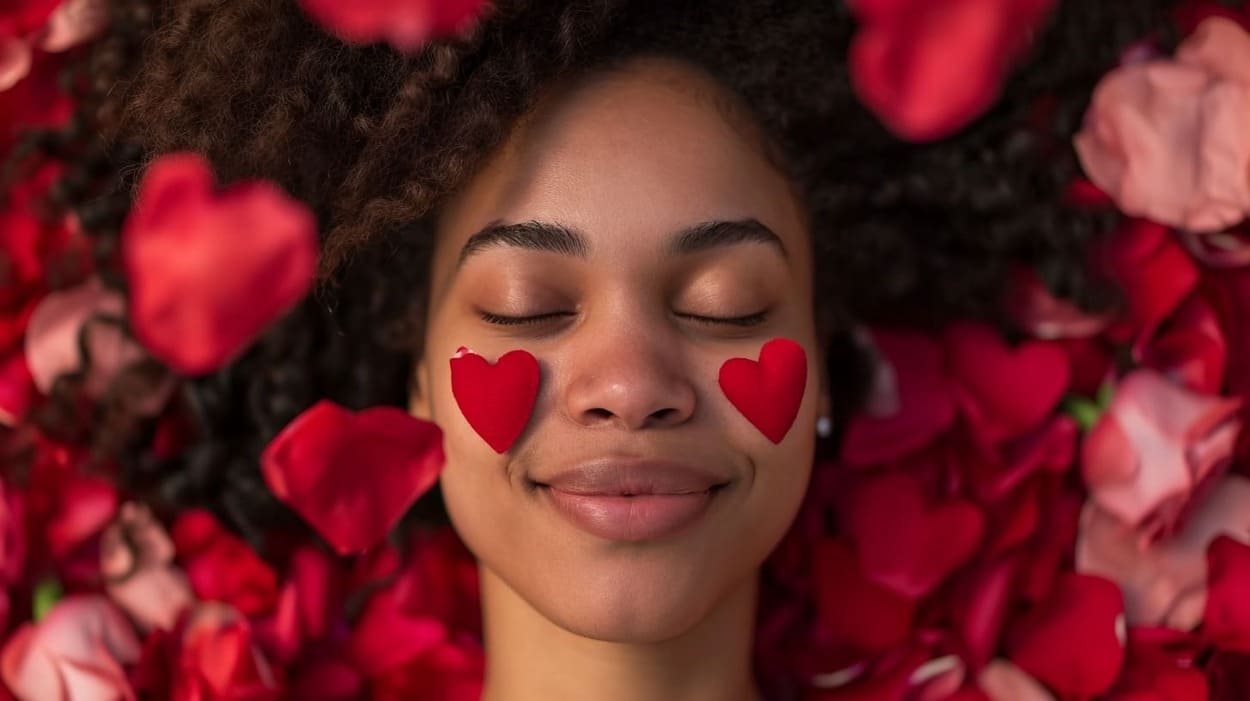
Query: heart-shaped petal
[
  {"x": 208, "y": 271},
  {"x": 352, "y": 475},
  {"x": 1074, "y": 642},
  {"x": 1006, "y": 391},
  {"x": 906, "y": 544},
  {"x": 768, "y": 392},
  {"x": 904, "y": 69},
  {"x": 856, "y": 611},
  {"x": 496, "y": 399}
]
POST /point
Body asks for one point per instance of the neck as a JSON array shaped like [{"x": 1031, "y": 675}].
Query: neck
[{"x": 529, "y": 658}]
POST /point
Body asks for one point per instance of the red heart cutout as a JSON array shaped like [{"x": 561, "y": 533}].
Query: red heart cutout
[
  {"x": 768, "y": 392},
  {"x": 352, "y": 475},
  {"x": 496, "y": 399},
  {"x": 208, "y": 271}
]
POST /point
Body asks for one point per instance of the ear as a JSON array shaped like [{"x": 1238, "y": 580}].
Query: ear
[{"x": 419, "y": 391}]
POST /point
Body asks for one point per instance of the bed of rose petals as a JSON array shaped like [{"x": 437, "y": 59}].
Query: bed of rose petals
[{"x": 1064, "y": 514}]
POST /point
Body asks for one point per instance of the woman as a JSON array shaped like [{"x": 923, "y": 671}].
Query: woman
[{"x": 632, "y": 192}]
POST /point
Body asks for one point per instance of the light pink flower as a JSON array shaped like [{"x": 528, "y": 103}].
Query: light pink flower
[
  {"x": 1169, "y": 140},
  {"x": 52, "y": 341},
  {"x": 1155, "y": 444},
  {"x": 75, "y": 653},
  {"x": 136, "y": 560},
  {"x": 74, "y": 22},
  {"x": 1164, "y": 582}
]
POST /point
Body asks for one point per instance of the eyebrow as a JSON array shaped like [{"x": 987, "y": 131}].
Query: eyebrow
[{"x": 568, "y": 241}]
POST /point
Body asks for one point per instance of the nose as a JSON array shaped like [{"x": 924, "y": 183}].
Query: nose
[{"x": 633, "y": 380}]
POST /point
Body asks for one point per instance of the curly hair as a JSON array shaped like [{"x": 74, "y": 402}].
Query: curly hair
[{"x": 373, "y": 141}]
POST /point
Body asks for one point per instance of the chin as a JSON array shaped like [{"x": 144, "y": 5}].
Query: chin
[{"x": 633, "y": 608}]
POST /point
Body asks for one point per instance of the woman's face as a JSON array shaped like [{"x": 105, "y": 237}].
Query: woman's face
[{"x": 628, "y": 366}]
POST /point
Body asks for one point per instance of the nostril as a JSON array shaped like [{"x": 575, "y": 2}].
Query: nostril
[{"x": 663, "y": 414}]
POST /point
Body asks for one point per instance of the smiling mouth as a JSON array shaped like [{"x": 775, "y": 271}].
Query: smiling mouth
[
  {"x": 632, "y": 517},
  {"x": 532, "y": 486}
]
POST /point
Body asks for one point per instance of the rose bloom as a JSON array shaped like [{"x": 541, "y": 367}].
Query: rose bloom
[
  {"x": 1168, "y": 139},
  {"x": 629, "y": 350}
]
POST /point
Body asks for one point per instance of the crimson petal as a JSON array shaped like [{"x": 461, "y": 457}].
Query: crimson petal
[
  {"x": 352, "y": 475},
  {"x": 208, "y": 271}
]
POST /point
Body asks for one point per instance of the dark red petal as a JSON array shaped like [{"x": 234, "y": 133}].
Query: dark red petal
[
  {"x": 1074, "y": 642},
  {"x": 1226, "y": 618}
]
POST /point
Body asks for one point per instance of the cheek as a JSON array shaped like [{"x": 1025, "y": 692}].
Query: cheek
[
  {"x": 782, "y": 472},
  {"x": 473, "y": 481}
]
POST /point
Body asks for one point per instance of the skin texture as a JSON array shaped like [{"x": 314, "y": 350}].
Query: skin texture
[{"x": 627, "y": 158}]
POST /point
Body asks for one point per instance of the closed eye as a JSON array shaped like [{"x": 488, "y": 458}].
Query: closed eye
[
  {"x": 519, "y": 320},
  {"x": 748, "y": 320}
]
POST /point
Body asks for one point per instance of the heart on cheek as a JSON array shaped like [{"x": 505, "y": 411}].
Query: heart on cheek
[
  {"x": 768, "y": 392},
  {"x": 496, "y": 399}
]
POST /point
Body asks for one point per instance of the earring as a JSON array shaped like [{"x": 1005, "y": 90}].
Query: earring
[{"x": 824, "y": 427}]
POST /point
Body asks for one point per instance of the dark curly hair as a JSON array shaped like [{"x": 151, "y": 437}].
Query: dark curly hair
[{"x": 373, "y": 141}]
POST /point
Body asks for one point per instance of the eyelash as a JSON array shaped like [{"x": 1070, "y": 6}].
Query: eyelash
[{"x": 748, "y": 320}]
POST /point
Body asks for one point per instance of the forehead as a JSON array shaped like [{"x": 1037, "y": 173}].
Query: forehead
[{"x": 628, "y": 157}]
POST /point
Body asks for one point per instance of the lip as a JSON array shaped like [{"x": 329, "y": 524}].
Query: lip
[
  {"x": 630, "y": 518},
  {"x": 619, "y": 476},
  {"x": 632, "y": 499}
]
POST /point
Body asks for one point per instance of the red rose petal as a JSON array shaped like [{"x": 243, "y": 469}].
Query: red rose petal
[
  {"x": 925, "y": 406},
  {"x": 1226, "y": 618},
  {"x": 17, "y": 389},
  {"x": 220, "y": 566},
  {"x": 982, "y": 608},
  {"x": 352, "y": 475},
  {"x": 928, "y": 68},
  {"x": 87, "y": 504},
  {"x": 1190, "y": 348},
  {"x": 857, "y": 612},
  {"x": 406, "y": 24},
  {"x": 1074, "y": 642},
  {"x": 1154, "y": 272},
  {"x": 208, "y": 271},
  {"x": 905, "y": 544},
  {"x": 1007, "y": 391}
]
